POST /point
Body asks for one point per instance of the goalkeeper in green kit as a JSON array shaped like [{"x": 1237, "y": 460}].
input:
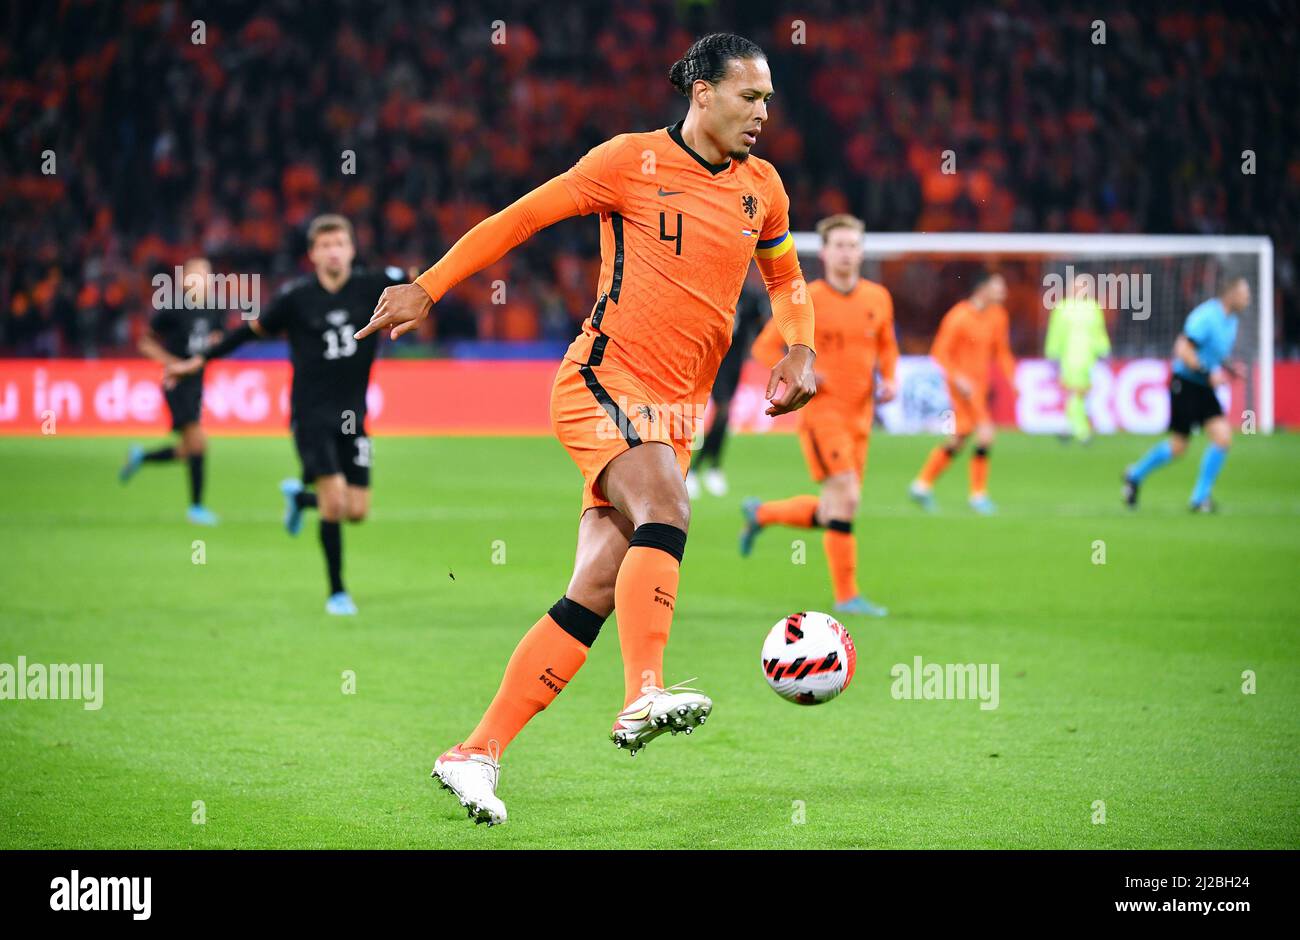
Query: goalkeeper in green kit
[{"x": 1076, "y": 339}]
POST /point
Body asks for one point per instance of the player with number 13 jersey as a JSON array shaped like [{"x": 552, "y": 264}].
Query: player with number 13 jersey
[{"x": 319, "y": 314}]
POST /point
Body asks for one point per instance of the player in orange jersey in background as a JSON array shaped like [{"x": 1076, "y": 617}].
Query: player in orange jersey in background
[
  {"x": 855, "y": 338},
  {"x": 972, "y": 336},
  {"x": 683, "y": 211}
]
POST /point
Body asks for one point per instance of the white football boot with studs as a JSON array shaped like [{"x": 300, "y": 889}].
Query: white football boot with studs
[
  {"x": 472, "y": 779},
  {"x": 675, "y": 709}
]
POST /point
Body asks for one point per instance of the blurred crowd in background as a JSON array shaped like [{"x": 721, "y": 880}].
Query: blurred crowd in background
[{"x": 165, "y": 147}]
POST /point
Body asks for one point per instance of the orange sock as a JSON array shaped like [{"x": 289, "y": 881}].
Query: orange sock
[
  {"x": 545, "y": 660},
  {"x": 644, "y": 595},
  {"x": 935, "y": 464},
  {"x": 842, "y": 558},
  {"x": 979, "y": 471},
  {"x": 800, "y": 511}
]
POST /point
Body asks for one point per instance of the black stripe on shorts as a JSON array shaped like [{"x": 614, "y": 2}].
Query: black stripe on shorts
[
  {"x": 615, "y": 413},
  {"x": 817, "y": 454}
]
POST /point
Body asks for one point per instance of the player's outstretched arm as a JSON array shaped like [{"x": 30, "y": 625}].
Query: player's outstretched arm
[
  {"x": 228, "y": 344},
  {"x": 401, "y": 308},
  {"x": 887, "y": 357},
  {"x": 943, "y": 352},
  {"x": 768, "y": 348},
  {"x": 1053, "y": 345},
  {"x": 1100, "y": 338},
  {"x": 795, "y": 372},
  {"x": 151, "y": 348},
  {"x": 792, "y": 312},
  {"x": 1006, "y": 359},
  {"x": 1185, "y": 350}
]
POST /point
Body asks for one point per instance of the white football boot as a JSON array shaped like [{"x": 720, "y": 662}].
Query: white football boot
[
  {"x": 472, "y": 779},
  {"x": 676, "y": 708}
]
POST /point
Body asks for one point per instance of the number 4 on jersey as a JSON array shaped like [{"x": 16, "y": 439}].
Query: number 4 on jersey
[{"x": 665, "y": 235}]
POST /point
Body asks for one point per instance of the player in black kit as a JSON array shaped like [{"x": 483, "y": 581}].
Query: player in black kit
[
  {"x": 331, "y": 370},
  {"x": 174, "y": 335}
]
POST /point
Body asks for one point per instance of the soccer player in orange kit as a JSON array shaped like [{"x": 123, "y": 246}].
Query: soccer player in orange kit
[
  {"x": 683, "y": 211},
  {"x": 972, "y": 335},
  {"x": 855, "y": 336}
]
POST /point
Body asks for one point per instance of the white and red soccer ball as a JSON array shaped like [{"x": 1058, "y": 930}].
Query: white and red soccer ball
[{"x": 809, "y": 658}]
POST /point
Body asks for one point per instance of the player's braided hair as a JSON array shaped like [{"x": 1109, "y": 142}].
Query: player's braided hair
[{"x": 707, "y": 59}]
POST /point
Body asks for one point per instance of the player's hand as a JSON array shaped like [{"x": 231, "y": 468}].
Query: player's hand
[
  {"x": 1219, "y": 376},
  {"x": 963, "y": 385},
  {"x": 400, "y": 310},
  {"x": 795, "y": 372},
  {"x": 887, "y": 390},
  {"x": 183, "y": 367}
]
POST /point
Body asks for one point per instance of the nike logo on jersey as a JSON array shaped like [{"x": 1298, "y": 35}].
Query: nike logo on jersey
[
  {"x": 676, "y": 192},
  {"x": 663, "y": 597}
]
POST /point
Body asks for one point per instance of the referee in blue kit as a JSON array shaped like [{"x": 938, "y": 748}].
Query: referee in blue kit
[{"x": 1200, "y": 366}]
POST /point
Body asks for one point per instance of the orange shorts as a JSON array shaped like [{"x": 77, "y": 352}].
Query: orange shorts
[
  {"x": 599, "y": 412},
  {"x": 969, "y": 412},
  {"x": 831, "y": 449}
]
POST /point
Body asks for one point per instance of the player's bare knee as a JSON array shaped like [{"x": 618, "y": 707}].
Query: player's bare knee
[
  {"x": 665, "y": 508},
  {"x": 592, "y": 584},
  {"x": 1177, "y": 444},
  {"x": 676, "y": 512},
  {"x": 331, "y": 504},
  {"x": 357, "y": 501}
]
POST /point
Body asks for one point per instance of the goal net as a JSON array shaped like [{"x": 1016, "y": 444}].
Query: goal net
[{"x": 1146, "y": 284}]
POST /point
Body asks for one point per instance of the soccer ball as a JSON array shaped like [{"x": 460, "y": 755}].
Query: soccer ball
[{"x": 809, "y": 658}]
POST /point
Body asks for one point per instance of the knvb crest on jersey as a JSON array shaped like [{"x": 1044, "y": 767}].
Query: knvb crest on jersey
[{"x": 749, "y": 202}]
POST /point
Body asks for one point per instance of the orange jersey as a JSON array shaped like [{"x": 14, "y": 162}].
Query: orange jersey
[
  {"x": 676, "y": 239},
  {"x": 855, "y": 336},
  {"x": 970, "y": 340}
]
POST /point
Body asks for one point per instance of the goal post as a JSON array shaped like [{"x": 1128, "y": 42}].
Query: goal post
[{"x": 1147, "y": 284}]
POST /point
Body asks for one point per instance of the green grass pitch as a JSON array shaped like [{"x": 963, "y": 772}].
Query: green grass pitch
[{"x": 1119, "y": 683}]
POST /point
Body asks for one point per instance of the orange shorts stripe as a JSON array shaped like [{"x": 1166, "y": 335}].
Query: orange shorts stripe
[{"x": 599, "y": 412}]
